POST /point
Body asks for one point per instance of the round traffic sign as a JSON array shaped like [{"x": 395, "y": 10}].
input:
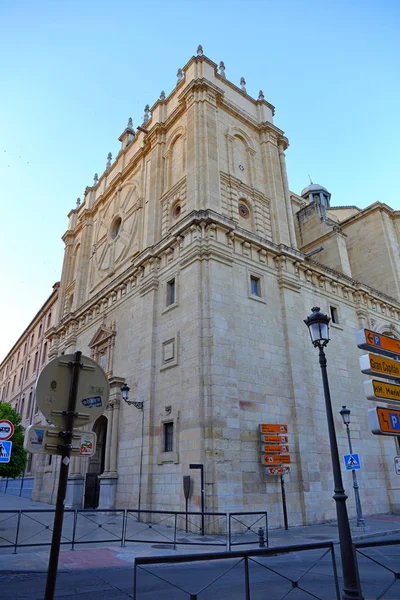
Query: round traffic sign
[
  {"x": 6, "y": 430},
  {"x": 52, "y": 390}
]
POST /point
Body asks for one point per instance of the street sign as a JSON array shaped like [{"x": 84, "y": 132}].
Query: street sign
[
  {"x": 52, "y": 389},
  {"x": 269, "y": 448},
  {"x": 384, "y": 421},
  {"x": 271, "y": 428},
  {"x": 397, "y": 464},
  {"x": 371, "y": 364},
  {"x": 271, "y": 439},
  {"x": 383, "y": 344},
  {"x": 6, "y": 430},
  {"x": 45, "y": 439},
  {"x": 380, "y": 390},
  {"x": 5, "y": 452},
  {"x": 351, "y": 462},
  {"x": 277, "y": 470},
  {"x": 285, "y": 458},
  {"x": 270, "y": 460}
]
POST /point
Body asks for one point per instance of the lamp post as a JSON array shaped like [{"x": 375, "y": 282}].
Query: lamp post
[
  {"x": 345, "y": 413},
  {"x": 318, "y": 326},
  {"x": 139, "y": 405}
]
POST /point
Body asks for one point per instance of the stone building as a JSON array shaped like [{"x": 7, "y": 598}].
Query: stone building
[
  {"x": 188, "y": 271},
  {"x": 19, "y": 371}
]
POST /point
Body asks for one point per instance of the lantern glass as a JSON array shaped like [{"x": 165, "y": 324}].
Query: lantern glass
[
  {"x": 125, "y": 391},
  {"x": 345, "y": 412},
  {"x": 318, "y": 325}
]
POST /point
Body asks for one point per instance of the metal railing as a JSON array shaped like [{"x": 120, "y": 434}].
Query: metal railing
[
  {"x": 248, "y": 531},
  {"x": 34, "y": 527},
  {"x": 370, "y": 566},
  {"x": 242, "y": 570}
]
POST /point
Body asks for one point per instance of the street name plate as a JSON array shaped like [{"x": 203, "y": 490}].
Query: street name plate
[
  {"x": 277, "y": 470},
  {"x": 372, "y": 364},
  {"x": 383, "y": 344},
  {"x": 272, "y": 428},
  {"x": 272, "y": 439},
  {"x": 384, "y": 421},
  {"x": 270, "y": 460},
  {"x": 380, "y": 390},
  {"x": 268, "y": 448}
]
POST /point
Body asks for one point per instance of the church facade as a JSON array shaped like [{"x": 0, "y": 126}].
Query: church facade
[{"x": 188, "y": 271}]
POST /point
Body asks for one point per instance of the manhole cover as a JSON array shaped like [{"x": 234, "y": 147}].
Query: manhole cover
[{"x": 162, "y": 546}]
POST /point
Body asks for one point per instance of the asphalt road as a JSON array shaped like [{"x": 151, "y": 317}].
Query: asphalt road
[{"x": 218, "y": 580}]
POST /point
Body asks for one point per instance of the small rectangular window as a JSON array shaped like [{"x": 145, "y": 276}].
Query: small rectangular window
[
  {"x": 168, "y": 437},
  {"x": 334, "y": 315},
  {"x": 171, "y": 292},
  {"x": 255, "y": 285}
]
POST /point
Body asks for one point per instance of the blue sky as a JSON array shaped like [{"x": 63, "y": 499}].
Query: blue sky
[{"x": 73, "y": 72}]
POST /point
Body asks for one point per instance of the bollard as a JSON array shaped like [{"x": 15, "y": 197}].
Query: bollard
[{"x": 261, "y": 537}]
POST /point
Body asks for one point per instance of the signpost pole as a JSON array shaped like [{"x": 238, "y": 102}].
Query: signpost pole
[
  {"x": 285, "y": 519},
  {"x": 360, "y": 518},
  {"x": 75, "y": 367}
]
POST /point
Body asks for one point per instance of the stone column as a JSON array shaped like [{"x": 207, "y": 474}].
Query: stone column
[
  {"x": 109, "y": 479},
  {"x": 289, "y": 211},
  {"x": 76, "y": 484}
]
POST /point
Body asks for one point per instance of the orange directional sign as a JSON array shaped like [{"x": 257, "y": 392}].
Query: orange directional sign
[
  {"x": 372, "y": 364},
  {"x": 269, "y": 448},
  {"x": 383, "y": 344},
  {"x": 285, "y": 458},
  {"x": 380, "y": 390},
  {"x": 270, "y": 428},
  {"x": 270, "y": 460},
  {"x": 277, "y": 470},
  {"x": 270, "y": 439},
  {"x": 384, "y": 421}
]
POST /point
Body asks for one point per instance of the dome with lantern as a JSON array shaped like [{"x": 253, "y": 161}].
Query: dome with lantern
[{"x": 317, "y": 193}]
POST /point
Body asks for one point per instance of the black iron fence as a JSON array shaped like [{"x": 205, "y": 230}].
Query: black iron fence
[
  {"x": 379, "y": 572},
  {"x": 248, "y": 574},
  {"x": 33, "y": 527}
]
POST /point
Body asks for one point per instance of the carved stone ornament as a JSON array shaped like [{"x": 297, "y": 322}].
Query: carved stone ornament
[{"x": 102, "y": 347}]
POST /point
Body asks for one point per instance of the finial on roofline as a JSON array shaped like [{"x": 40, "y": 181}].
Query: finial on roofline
[
  {"x": 162, "y": 95},
  {"x": 179, "y": 75},
  {"x": 222, "y": 69},
  {"x": 260, "y": 95},
  {"x": 243, "y": 84},
  {"x": 95, "y": 179},
  {"x": 199, "y": 50},
  {"x": 109, "y": 159},
  {"x": 146, "y": 116},
  {"x": 130, "y": 123}
]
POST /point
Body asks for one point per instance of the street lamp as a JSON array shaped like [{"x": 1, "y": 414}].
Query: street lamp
[
  {"x": 139, "y": 405},
  {"x": 345, "y": 413},
  {"x": 318, "y": 326}
]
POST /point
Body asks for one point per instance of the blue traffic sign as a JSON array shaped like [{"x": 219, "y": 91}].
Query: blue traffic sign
[
  {"x": 5, "y": 452},
  {"x": 351, "y": 462}
]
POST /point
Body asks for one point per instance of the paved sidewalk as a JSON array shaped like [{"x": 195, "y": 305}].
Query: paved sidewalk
[{"x": 104, "y": 555}]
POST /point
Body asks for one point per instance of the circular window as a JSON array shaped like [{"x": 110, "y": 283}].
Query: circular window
[
  {"x": 244, "y": 211},
  {"x": 177, "y": 210},
  {"x": 115, "y": 227}
]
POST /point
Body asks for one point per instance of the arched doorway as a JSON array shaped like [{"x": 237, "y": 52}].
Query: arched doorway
[{"x": 96, "y": 465}]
